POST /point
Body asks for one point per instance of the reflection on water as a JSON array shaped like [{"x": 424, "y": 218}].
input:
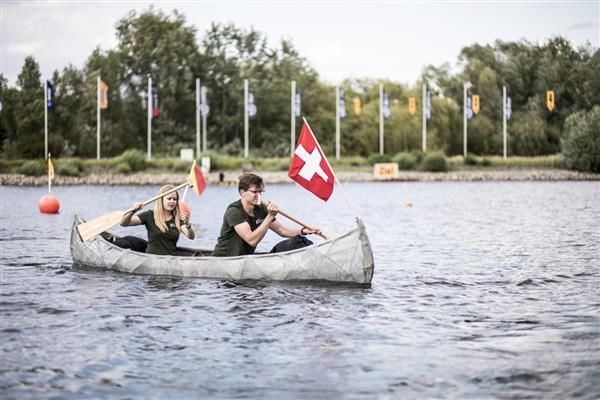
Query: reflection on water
[{"x": 481, "y": 290}]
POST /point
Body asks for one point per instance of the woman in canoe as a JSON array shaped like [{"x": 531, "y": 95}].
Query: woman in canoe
[{"x": 164, "y": 223}]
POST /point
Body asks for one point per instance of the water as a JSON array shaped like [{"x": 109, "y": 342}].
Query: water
[{"x": 481, "y": 290}]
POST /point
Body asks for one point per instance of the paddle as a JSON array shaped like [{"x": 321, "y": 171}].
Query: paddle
[
  {"x": 288, "y": 216},
  {"x": 91, "y": 228}
]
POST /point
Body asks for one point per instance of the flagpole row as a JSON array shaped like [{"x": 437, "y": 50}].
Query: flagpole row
[{"x": 349, "y": 203}]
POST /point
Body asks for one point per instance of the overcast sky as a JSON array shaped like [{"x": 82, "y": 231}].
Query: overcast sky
[{"x": 342, "y": 39}]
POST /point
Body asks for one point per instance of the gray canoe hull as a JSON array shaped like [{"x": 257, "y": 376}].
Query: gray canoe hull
[{"x": 347, "y": 258}]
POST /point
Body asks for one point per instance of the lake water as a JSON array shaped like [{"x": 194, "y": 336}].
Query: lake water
[{"x": 481, "y": 290}]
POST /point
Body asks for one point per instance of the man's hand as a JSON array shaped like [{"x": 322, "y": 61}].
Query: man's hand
[{"x": 272, "y": 208}]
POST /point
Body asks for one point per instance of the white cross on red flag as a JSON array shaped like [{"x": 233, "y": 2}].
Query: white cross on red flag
[{"x": 309, "y": 167}]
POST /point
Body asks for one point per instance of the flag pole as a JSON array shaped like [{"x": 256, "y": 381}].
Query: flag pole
[
  {"x": 246, "y": 122},
  {"x": 337, "y": 123},
  {"x": 188, "y": 186},
  {"x": 149, "y": 153},
  {"x": 381, "y": 126},
  {"x": 49, "y": 178},
  {"x": 197, "y": 118},
  {"x": 46, "y": 119},
  {"x": 424, "y": 117},
  {"x": 98, "y": 119},
  {"x": 293, "y": 119},
  {"x": 504, "y": 123},
  {"x": 204, "y": 114},
  {"x": 332, "y": 171}
]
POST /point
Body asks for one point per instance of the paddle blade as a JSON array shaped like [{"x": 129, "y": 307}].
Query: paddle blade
[{"x": 91, "y": 228}]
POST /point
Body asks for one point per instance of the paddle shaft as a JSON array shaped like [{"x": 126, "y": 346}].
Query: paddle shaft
[
  {"x": 158, "y": 196},
  {"x": 294, "y": 219}
]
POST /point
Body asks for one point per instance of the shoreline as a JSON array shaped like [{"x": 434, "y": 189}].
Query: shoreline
[{"x": 230, "y": 177}]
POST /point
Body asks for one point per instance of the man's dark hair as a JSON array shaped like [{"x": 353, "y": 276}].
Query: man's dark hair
[{"x": 248, "y": 179}]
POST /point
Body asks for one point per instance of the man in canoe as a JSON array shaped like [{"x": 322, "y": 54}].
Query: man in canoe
[{"x": 246, "y": 222}]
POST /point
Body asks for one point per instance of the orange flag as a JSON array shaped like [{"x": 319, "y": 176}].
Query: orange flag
[
  {"x": 103, "y": 95},
  {"x": 196, "y": 179}
]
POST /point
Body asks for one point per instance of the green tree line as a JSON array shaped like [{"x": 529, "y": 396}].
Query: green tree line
[{"x": 164, "y": 46}]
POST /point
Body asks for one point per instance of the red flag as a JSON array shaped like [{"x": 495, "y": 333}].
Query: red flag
[
  {"x": 309, "y": 167},
  {"x": 196, "y": 179}
]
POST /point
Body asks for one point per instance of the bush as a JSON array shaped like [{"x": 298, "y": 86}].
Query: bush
[
  {"x": 182, "y": 166},
  {"x": 10, "y": 166},
  {"x": 405, "y": 161},
  {"x": 581, "y": 141},
  {"x": 123, "y": 168},
  {"x": 379, "y": 158},
  {"x": 134, "y": 158},
  {"x": 69, "y": 167},
  {"x": 419, "y": 155},
  {"x": 33, "y": 168},
  {"x": 435, "y": 162},
  {"x": 470, "y": 160}
]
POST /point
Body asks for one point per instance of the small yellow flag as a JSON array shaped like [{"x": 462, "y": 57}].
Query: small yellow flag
[
  {"x": 103, "y": 95},
  {"x": 50, "y": 167},
  {"x": 550, "y": 99},
  {"x": 412, "y": 105},
  {"x": 357, "y": 105},
  {"x": 475, "y": 103}
]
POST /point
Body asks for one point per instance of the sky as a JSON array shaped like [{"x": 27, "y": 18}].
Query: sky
[{"x": 391, "y": 40}]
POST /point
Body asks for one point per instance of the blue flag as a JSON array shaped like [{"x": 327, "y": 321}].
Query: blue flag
[
  {"x": 342, "y": 105},
  {"x": 469, "y": 109},
  {"x": 49, "y": 96},
  {"x": 428, "y": 104},
  {"x": 204, "y": 108},
  {"x": 387, "y": 111},
  {"x": 298, "y": 100},
  {"x": 251, "y": 105}
]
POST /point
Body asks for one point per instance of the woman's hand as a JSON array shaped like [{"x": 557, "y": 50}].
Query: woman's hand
[{"x": 185, "y": 220}]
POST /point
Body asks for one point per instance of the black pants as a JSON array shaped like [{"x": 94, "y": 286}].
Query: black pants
[
  {"x": 133, "y": 243},
  {"x": 297, "y": 242}
]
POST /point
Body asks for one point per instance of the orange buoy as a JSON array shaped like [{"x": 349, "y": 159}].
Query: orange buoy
[
  {"x": 185, "y": 209},
  {"x": 49, "y": 204}
]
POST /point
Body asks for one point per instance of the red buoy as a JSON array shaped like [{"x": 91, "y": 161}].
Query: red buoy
[
  {"x": 185, "y": 209},
  {"x": 49, "y": 204}
]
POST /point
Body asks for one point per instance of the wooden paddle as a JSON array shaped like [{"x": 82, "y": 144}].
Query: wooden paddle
[
  {"x": 91, "y": 228},
  {"x": 291, "y": 218}
]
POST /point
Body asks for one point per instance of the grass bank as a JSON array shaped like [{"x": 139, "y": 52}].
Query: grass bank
[{"x": 134, "y": 162}]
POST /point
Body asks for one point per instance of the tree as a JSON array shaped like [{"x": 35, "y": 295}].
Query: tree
[
  {"x": 153, "y": 44},
  {"x": 29, "y": 112},
  {"x": 581, "y": 142}
]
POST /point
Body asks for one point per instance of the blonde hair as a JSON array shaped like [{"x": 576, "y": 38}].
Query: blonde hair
[{"x": 159, "y": 211}]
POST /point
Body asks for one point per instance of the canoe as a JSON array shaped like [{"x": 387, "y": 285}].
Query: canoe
[{"x": 347, "y": 258}]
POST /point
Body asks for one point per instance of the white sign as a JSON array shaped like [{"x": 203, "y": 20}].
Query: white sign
[
  {"x": 205, "y": 163},
  {"x": 186, "y": 154}
]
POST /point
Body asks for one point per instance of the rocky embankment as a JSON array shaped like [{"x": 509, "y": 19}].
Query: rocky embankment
[{"x": 230, "y": 178}]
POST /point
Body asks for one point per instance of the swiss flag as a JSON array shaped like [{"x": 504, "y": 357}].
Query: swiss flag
[{"x": 309, "y": 167}]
